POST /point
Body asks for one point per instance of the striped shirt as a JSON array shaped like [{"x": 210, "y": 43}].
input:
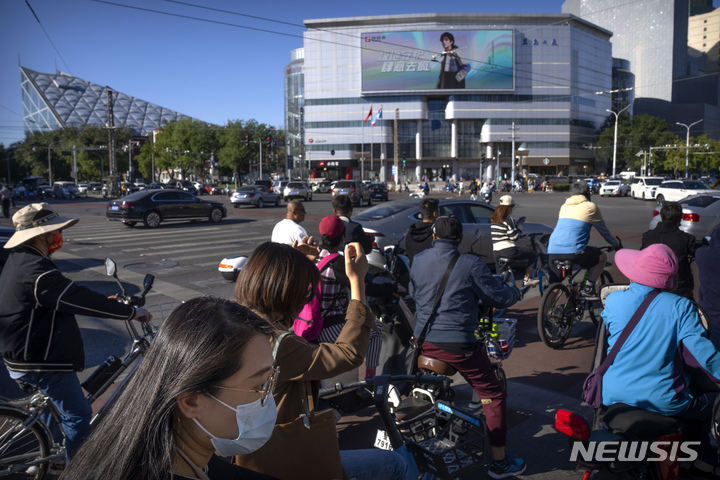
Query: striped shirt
[
  {"x": 335, "y": 296},
  {"x": 504, "y": 235}
]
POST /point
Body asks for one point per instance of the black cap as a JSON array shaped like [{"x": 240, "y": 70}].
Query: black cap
[{"x": 449, "y": 227}]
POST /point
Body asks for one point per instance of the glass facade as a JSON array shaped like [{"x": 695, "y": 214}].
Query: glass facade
[
  {"x": 59, "y": 100},
  {"x": 295, "y": 106}
]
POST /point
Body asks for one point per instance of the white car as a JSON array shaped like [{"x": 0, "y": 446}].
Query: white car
[
  {"x": 141, "y": 185},
  {"x": 82, "y": 188},
  {"x": 297, "y": 190},
  {"x": 615, "y": 188},
  {"x": 676, "y": 190},
  {"x": 645, "y": 188}
]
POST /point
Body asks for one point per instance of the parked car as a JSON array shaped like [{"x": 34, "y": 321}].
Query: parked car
[
  {"x": 64, "y": 190},
  {"x": 701, "y": 215},
  {"x": 355, "y": 189},
  {"x": 297, "y": 190},
  {"x": 388, "y": 222},
  {"x": 82, "y": 188},
  {"x": 676, "y": 190},
  {"x": 615, "y": 188},
  {"x": 257, "y": 195},
  {"x": 322, "y": 187},
  {"x": 279, "y": 186},
  {"x": 155, "y": 206},
  {"x": 645, "y": 188},
  {"x": 184, "y": 185},
  {"x": 95, "y": 186},
  {"x": 379, "y": 191},
  {"x": 213, "y": 189}
]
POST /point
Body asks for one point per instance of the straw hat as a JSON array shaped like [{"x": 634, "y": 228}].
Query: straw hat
[{"x": 36, "y": 219}]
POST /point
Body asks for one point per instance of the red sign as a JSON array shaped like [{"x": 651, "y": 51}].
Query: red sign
[
  {"x": 310, "y": 141},
  {"x": 322, "y": 164}
]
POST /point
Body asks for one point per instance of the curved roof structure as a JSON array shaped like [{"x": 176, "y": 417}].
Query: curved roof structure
[{"x": 59, "y": 100}]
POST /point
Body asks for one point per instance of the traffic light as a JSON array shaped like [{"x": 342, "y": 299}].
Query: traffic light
[
  {"x": 269, "y": 141},
  {"x": 404, "y": 162},
  {"x": 247, "y": 140}
]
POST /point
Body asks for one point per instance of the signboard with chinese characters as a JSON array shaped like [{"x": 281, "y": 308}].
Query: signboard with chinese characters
[{"x": 428, "y": 61}]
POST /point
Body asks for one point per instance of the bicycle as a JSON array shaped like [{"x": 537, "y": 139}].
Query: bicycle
[
  {"x": 438, "y": 440},
  {"x": 27, "y": 444},
  {"x": 540, "y": 270},
  {"x": 562, "y": 304}
]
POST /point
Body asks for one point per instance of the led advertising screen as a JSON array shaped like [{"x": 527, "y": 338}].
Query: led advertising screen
[{"x": 429, "y": 61}]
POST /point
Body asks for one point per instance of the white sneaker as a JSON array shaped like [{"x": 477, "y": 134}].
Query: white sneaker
[{"x": 531, "y": 282}]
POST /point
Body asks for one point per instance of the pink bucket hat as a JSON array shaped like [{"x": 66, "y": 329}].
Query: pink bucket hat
[{"x": 655, "y": 266}]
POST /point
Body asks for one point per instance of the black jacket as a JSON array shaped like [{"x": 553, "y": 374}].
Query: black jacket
[
  {"x": 355, "y": 233},
  {"x": 418, "y": 238},
  {"x": 38, "y": 330},
  {"x": 708, "y": 265},
  {"x": 683, "y": 245}
]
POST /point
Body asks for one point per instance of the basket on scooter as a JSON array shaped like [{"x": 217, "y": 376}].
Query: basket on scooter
[
  {"x": 500, "y": 343},
  {"x": 447, "y": 442}
]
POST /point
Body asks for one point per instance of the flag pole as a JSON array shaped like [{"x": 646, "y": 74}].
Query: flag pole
[{"x": 362, "y": 148}]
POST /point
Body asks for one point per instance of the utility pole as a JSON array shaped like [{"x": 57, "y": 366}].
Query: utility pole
[
  {"x": 512, "y": 158},
  {"x": 687, "y": 143},
  {"x": 396, "y": 147},
  {"x": 111, "y": 142}
]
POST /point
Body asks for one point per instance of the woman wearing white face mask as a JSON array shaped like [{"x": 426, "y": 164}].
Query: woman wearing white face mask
[{"x": 205, "y": 386}]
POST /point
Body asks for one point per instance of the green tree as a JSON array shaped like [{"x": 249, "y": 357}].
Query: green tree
[{"x": 185, "y": 145}]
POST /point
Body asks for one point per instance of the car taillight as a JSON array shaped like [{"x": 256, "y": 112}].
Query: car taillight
[
  {"x": 656, "y": 212},
  {"x": 375, "y": 236},
  {"x": 691, "y": 217},
  {"x": 127, "y": 205},
  {"x": 250, "y": 195},
  {"x": 355, "y": 190}
]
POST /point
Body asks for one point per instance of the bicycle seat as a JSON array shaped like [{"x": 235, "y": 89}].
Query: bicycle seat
[
  {"x": 502, "y": 262},
  {"x": 435, "y": 365}
]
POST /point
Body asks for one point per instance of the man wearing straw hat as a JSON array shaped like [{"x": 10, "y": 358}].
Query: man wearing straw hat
[{"x": 39, "y": 336}]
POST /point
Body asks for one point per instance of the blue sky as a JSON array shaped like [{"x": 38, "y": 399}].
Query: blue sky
[{"x": 210, "y": 71}]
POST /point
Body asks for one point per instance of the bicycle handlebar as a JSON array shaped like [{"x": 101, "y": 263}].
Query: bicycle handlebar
[{"x": 443, "y": 382}]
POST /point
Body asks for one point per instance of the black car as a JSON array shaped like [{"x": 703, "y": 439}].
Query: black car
[
  {"x": 154, "y": 206},
  {"x": 378, "y": 191},
  {"x": 156, "y": 185}
]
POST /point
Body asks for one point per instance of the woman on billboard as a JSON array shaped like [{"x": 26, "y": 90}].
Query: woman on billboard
[{"x": 452, "y": 69}]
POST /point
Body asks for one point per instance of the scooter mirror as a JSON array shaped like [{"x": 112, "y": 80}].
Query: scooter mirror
[
  {"x": 521, "y": 221},
  {"x": 148, "y": 282},
  {"x": 110, "y": 267}
]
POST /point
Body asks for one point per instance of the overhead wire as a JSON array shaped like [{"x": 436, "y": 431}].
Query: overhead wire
[{"x": 48, "y": 36}]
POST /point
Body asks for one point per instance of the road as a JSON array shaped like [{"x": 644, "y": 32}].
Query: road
[{"x": 184, "y": 258}]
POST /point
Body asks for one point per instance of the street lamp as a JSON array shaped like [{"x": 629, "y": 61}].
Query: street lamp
[
  {"x": 617, "y": 115},
  {"x": 687, "y": 142},
  {"x": 49, "y": 149}
]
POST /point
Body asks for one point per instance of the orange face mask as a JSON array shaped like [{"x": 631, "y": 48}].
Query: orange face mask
[{"x": 56, "y": 244}]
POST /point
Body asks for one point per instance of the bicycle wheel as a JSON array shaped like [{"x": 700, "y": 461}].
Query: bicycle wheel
[
  {"x": 20, "y": 445},
  {"x": 595, "y": 307},
  {"x": 556, "y": 315}
]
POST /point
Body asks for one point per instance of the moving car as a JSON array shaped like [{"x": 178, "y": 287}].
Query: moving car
[
  {"x": 379, "y": 191},
  {"x": 184, "y": 185},
  {"x": 82, "y": 188},
  {"x": 615, "y": 188},
  {"x": 279, "y": 186},
  {"x": 156, "y": 185},
  {"x": 645, "y": 188},
  {"x": 355, "y": 189},
  {"x": 297, "y": 190},
  {"x": 701, "y": 215},
  {"x": 213, "y": 189},
  {"x": 266, "y": 183},
  {"x": 155, "y": 206},
  {"x": 322, "y": 187},
  {"x": 257, "y": 195},
  {"x": 388, "y": 222},
  {"x": 141, "y": 185},
  {"x": 676, "y": 190}
]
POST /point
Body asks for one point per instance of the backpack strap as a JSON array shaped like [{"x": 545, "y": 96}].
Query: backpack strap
[
  {"x": 327, "y": 259},
  {"x": 277, "y": 346}
]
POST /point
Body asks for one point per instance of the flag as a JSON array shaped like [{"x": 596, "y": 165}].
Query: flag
[
  {"x": 369, "y": 114},
  {"x": 378, "y": 116}
]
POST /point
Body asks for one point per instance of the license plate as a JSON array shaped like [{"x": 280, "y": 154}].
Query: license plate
[
  {"x": 293, "y": 193},
  {"x": 242, "y": 196},
  {"x": 382, "y": 441},
  {"x": 114, "y": 207}
]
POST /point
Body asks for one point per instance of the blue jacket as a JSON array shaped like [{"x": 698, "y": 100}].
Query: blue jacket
[
  {"x": 648, "y": 372},
  {"x": 470, "y": 282},
  {"x": 577, "y": 217}
]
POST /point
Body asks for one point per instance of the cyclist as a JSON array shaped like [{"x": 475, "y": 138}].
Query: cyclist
[
  {"x": 569, "y": 240},
  {"x": 505, "y": 233},
  {"x": 451, "y": 334},
  {"x": 418, "y": 236},
  {"x": 39, "y": 336}
]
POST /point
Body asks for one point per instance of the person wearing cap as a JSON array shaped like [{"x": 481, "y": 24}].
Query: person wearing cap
[
  {"x": 649, "y": 370},
  {"x": 418, "y": 236},
  {"x": 342, "y": 207},
  {"x": 289, "y": 230},
  {"x": 505, "y": 234},
  {"x": 336, "y": 289},
  {"x": 668, "y": 232},
  {"x": 569, "y": 239},
  {"x": 451, "y": 337},
  {"x": 40, "y": 338}
]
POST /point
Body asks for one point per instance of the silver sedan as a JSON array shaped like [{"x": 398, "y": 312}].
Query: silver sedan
[
  {"x": 257, "y": 195},
  {"x": 701, "y": 215}
]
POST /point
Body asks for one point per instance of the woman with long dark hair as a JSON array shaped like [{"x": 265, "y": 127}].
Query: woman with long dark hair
[
  {"x": 205, "y": 385},
  {"x": 276, "y": 282},
  {"x": 505, "y": 234}
]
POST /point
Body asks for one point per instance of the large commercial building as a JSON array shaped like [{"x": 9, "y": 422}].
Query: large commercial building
[
  {"x": 704, "y": 36},
  {"x": 470, "y": 92},
  {"x": 57, "y": 100}
]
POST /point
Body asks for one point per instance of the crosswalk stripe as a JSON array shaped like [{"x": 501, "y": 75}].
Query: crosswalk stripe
[{"x": 170, "y": 250}]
